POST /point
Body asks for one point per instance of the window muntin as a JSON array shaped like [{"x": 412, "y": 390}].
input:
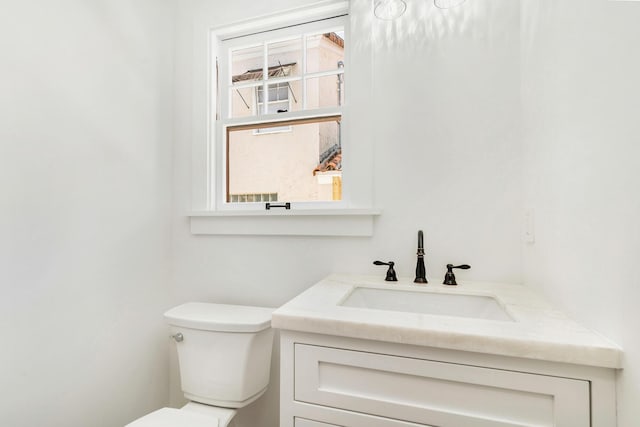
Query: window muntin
[{"x": 271, "y": 85}]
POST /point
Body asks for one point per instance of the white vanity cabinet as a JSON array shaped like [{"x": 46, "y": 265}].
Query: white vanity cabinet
[
  {"x": 347, "y": 382},
  {"x": 395, "y": 362}
]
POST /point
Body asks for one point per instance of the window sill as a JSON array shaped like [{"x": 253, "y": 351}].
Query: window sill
[{"x": 326, "y": 222}]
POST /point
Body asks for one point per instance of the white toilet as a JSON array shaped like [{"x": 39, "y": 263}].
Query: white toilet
[{"x": 224, "y": 353}]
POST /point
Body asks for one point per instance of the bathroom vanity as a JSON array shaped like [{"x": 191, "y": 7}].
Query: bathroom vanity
[{"x": 357, "y": 351}]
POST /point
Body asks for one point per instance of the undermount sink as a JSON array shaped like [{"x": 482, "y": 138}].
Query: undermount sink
[{"x": 460, "y": 305}]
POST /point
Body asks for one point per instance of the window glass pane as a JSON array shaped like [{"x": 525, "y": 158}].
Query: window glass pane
[
  {"x": 304, "y": 164},
  {"x": 330, "y": 145},
  {"x": 276, "y": 92},
  {"x": 282, "y": 98},
  {"x": 243, "y": 102},
  {"x": 326, "y": 91},
  {"x": 273, "y": 93},
  {"x": 325, "y": 51},
  {"x": 283, "y": 91},
  {"x": 285, "y": 58},
  {"x": 278, "y": 95},
  {"x": 246, "y": 64},
  {"x": 293, "y": 92}
]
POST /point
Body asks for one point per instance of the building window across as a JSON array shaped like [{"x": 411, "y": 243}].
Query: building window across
[
  {"x": 250, "y": 198},
  {"x": 278, "y": 103}
]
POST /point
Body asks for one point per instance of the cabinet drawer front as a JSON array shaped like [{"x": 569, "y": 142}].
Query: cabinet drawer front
[
  {"x": 301, "y": 422},
  {"x": 349, "y": 419},
  {"x": 437, "y": 393}
]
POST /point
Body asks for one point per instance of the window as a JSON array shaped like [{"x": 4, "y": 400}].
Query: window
[
  {"x": 280, "y": 114},
  {"x": 224, "y": 107},
  {"x": 249, "y": 198},
  {"x": 278, "y": 95}
]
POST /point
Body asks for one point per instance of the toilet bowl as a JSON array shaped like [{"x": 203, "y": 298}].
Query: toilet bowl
[{"x": 224, "y": 353}]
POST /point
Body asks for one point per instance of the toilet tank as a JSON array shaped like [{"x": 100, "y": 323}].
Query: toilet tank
[{"x": 224, "y": 352}]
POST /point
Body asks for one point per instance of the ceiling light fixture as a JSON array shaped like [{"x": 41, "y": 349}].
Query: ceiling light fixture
[
  {"x": 389, "y": 9},
  {"x": 447, "y": 4}
]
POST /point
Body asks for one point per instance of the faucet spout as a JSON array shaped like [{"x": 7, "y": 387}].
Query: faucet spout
[{"x": 421, "y": 272}]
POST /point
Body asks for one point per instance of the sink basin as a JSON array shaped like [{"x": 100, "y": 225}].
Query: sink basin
[{"x": 460, "y": 305}]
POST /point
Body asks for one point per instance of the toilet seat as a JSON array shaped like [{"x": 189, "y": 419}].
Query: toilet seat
[
  {"x": 192, "y": 414},
  {"x": 224, "y": 415},
  {"x": 170, "y": 417}
]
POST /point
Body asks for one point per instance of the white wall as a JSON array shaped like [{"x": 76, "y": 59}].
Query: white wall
[
  {"x": 447, "y": 160},
  {"x": 85, "y": 172},
  {"x": 581, "y": 95}
]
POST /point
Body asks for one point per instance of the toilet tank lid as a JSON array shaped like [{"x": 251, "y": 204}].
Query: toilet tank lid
[{"x": 220, "y": 317}]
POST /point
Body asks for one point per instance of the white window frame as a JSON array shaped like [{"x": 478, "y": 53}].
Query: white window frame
[
  {"x": 228, "y": 44},
  {"x": 353, "y": 216}
]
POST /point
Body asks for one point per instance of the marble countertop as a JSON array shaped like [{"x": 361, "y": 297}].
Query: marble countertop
[{"x": 539, "y": 331}]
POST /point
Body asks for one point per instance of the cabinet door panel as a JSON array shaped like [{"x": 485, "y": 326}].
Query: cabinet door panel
[{"x": 437, "y": 393}]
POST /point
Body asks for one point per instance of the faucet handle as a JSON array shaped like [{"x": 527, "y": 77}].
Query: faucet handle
[
  {"x": 391, "y": 273},
  {"x": 449, "y": 277}
]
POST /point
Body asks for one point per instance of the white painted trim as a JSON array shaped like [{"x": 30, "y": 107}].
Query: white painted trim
[
  {"x": 339, "y": 222},
  {"x": 357, "y": 201},
  {"x": 301, "y": 212},
  {"x": 314, "y": 12},
  {"x": 281, "y": 117}
]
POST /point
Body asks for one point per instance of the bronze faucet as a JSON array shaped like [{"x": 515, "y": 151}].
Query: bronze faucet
[
  {"x": 421, "y": 273},
  {"x": 391, "y": 273}
]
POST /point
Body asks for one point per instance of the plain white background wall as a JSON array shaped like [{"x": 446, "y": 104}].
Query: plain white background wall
[
  {"x": 85, "y": 172},
  {"x": 85, "y": 181},
  {"x": 447, "y": 160},
  {"x": 581, "y": 95}
]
